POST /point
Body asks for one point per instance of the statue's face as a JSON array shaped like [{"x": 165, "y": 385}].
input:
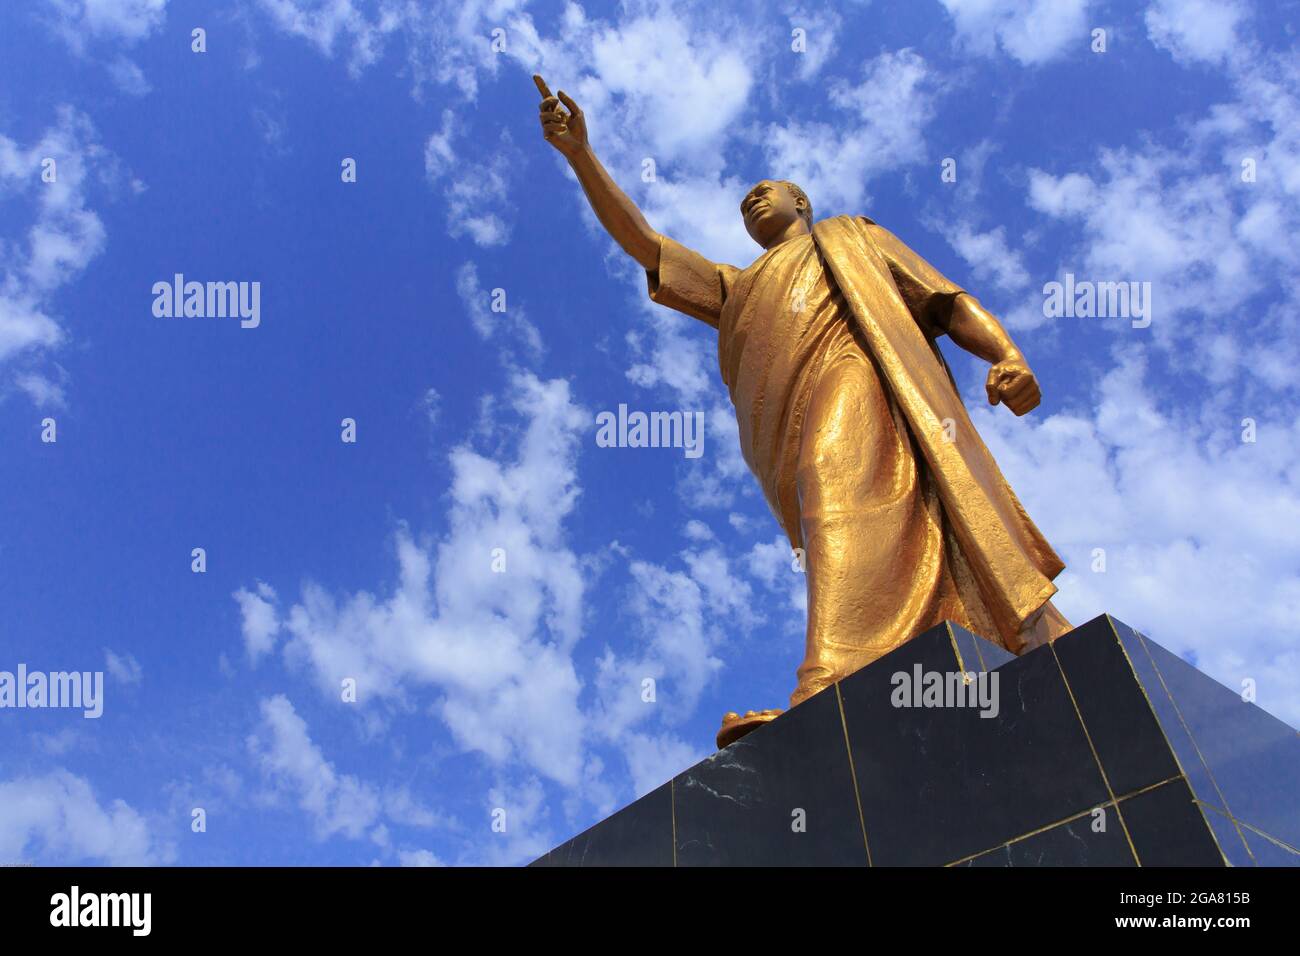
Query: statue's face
[{"x": 768, "y": 209}]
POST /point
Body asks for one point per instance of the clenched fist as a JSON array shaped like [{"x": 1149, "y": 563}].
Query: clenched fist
[
  {"x": 567, "y": 132},
  {"x": 1014, "y": 385}
]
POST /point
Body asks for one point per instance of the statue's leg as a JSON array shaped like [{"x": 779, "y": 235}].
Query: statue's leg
[{"x": 873, "y": 540}]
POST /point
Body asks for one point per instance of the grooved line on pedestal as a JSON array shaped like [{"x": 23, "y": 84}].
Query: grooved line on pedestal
[
  {"x": 1195, "y": 746},
  {"x": 1151, "y": 786},
  {"x": 1070, "y": 819},
  {"x": 952, "y": 639},
  {"x": 1096, "y": 758},
  {"x": 1030, "y": 833},
  {"x": 1258, "y": 832},
  {"x": 672, "y": 809},
  {"x": 853, "y": 773},
  {"x": 952, "y": 636}
]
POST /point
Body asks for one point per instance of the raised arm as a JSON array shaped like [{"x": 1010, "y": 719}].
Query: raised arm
[{"x": 567, "y": 132}]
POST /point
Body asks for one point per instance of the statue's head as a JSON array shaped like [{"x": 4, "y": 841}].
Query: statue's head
[{"x": 772, "y": 207}]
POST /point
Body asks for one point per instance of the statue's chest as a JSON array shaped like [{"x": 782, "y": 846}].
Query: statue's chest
[{"x": 775, "y": 316}]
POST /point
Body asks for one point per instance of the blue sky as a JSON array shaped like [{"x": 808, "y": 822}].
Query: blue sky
[{"x": 326, "y": 560}]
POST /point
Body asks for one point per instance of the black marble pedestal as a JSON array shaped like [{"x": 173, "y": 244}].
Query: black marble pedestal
[{"x": 1103, "y": 749}]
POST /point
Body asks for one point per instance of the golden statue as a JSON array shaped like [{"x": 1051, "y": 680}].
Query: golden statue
[{"x": 850, "y": 420}]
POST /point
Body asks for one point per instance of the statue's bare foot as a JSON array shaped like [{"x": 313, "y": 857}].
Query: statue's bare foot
[{"x": 735, "y": 726}]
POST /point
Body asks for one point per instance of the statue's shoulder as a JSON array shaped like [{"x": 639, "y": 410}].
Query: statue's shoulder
[{"x": 849, "y": 221}]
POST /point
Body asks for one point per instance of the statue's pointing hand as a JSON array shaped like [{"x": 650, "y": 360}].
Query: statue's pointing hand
[
  {"x": 1014, "y": 385},
  {"x": 567, "y": 132}
]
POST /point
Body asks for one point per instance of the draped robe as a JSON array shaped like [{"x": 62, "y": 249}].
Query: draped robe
[{"x": 850, "y": 420}]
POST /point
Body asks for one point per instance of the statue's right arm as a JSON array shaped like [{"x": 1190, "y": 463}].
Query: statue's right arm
[
  {"x": 616, "y": 212},
  {"x": 567, "y": 132}
]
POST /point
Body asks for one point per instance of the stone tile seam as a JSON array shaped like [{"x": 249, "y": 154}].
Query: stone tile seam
[
  {"x": 1190, "y": 736},
  {"x": 1060, "y": 669}
]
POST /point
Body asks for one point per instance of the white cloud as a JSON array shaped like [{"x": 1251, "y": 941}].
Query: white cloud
[
  {"x": 989, "y": 256},
  {"x": 56, "y": 819},
  {"x": 773, "y": 564},
  {"x": 509, "y": 326},
  {"x": 1209, "y": 223},
  {"x": 674, "y": 357},
  {"x": 728, "y": 596},
  {"x": 662, "y": 87},
  {"x": 524, "y": 837},
  {"x": 446, "y": 43},
  {"x": 330, "y": 23},
  {"x": 439, "y": 152},
  {"x": 431, "y": 405},
  {"x": 677, "y": 637},
  {"x": 260, "y": 623},
  {"x": 1197, "y": 525},
  {"x": 42, "y": 390},
  {"x": 681, "y": 84},
  {"x": 418, "y": 858},
  {"x": 1137, "y": 229},
  {"x": 822, "y": 28},
  {"x": 696, "y": 530},
  {"x": 1197, "y": 30},
  {"x": 497, "y": 647},
  {"x": 123, "y": 667},
  {"x": 451, "y": 43},
  {"x": 271, "y": 128},
  {"x": 682, "y": 621},
  {"x": 833, "y": 162},
  {"x": 128, "y": 77},
  {"x": 127, "y": 21},
  {"x": 476, "y": 192},
  {"x": 83, "y": 24},
  {"x": 653, "y": 760},
  {"x": 64, "y": 741},
  {"x": 336, "y": 803},
  {"x": 64, "y": 236},
  {"x": 23, "y": 326},
  {"x": 1032, "y": 32}
]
